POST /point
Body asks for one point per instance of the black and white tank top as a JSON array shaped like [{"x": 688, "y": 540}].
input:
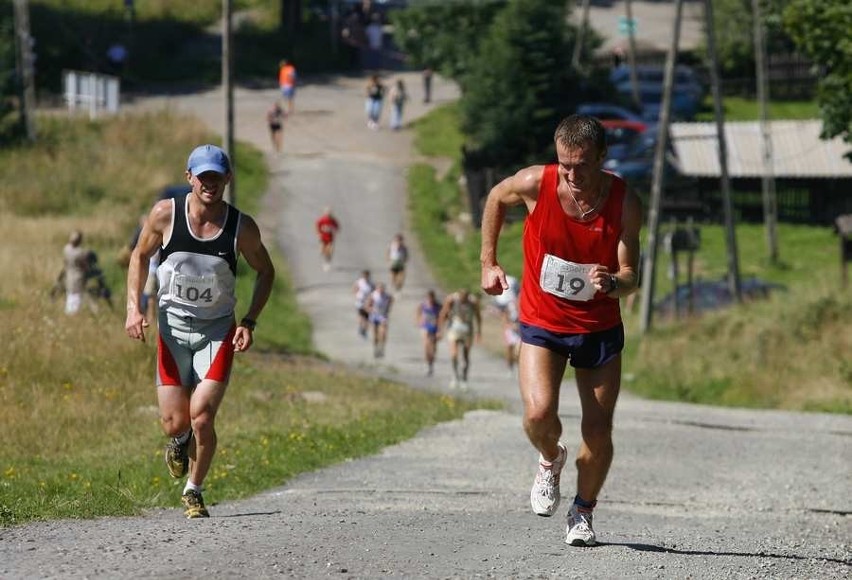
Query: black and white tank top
[{"x": 197, "y": 276}]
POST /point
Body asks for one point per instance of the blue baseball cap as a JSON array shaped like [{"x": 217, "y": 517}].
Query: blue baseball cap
[{"x": 208, "y": 158}]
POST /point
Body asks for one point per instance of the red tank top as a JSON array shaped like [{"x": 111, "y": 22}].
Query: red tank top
[
  {"x": 549, "y": 230},
  {"x": 327, "y": 228}
]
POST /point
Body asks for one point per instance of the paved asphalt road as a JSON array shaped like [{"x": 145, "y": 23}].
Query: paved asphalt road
[{"x": 694, "y": 492}]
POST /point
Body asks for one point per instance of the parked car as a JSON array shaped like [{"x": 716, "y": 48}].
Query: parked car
[
  {"x": 681, "y": 198},
  {"x": 688, "y": 91},
  {"x": 640, "y": 147},
  {"x": 609, "y": 111},
  {"x": 685, "y": 78},
  {"x": 636, "y": 164},
  {"x": 620, "y": 135},
  {"x": 684, "y": 106}
]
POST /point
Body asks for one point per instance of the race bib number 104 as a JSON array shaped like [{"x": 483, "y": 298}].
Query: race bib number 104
[
  {"x": 566, "y": 279},
  {"x": 194, "y": 290}
]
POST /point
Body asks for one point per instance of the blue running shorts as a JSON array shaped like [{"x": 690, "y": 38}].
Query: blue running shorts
[{"x": 584, "y": 351}]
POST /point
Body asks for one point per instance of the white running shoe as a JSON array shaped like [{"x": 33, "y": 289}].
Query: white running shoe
[
  {"x": 544, "y": 496},
  {"x": 463, "y": 385},
  {"x": 579, "y": 530},
  {"x": 454, "y": 383}
]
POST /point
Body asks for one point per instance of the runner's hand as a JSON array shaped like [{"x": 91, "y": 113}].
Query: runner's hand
[
  {"x": 599, "y": 276},
  {"x": 242, "y": 339},
  {"x": 494, "y": 280},
  {"x": 135, "y": 325}
]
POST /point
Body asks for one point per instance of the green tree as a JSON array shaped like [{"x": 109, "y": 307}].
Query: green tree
[
  {"x": 820, "y": 28},
  {"x": 444, "y": 36},
  {"x": 520, "y": 83},
  {"x": 734, "y": 21},
  {"x": 8, "y": 79}
]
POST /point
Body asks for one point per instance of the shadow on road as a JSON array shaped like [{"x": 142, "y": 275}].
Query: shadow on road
[
  {"x": 251, "y": 514},
  {"x": 662, "y": 549}
]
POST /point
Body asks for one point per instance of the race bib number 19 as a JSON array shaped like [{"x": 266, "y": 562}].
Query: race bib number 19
[
  {"x": 566, "y": 279},
  {"x": 193, "y": 290}
]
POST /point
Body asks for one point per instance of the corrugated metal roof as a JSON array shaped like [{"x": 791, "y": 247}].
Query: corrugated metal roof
[{"x": 796, "y": 148}]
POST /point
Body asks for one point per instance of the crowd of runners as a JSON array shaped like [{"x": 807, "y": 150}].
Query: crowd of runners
[{"x": 457, "y": 317}]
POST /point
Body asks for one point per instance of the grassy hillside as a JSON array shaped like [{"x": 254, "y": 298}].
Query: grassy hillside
[{"x": 790, "y": 352}]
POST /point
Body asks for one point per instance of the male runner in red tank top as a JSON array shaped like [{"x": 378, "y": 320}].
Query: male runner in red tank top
[
  {"x": 581, "y": 254},
  {"x": 327, "y": 227}
]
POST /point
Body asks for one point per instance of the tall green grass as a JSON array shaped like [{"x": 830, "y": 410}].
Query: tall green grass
[
  {"x": 790, "y": 351},
  {"x": 433, "y": 205},
  {"x": 96, "y": 450},
  {"x": 439, "y": 136}
]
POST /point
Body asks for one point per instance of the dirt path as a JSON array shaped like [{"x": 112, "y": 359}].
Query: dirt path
[{"x": 695, "y": 491}]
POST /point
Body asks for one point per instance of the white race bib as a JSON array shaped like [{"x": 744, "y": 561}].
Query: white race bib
[
  {"x": 194, "y": 290},
  {"x": 459, "y": 327},
  {"x": 566, "y": 279}
]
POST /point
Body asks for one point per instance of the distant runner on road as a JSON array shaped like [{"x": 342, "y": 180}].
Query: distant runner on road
[
  {"x": 460, "y": 320},
  {"x": 397, "y": 258},
  {"x": 327, "y": 228},
  {"x": 287, "y": 84},
  {"x": 275, "y": 117},
  {"x": 506, "y": 305},
  {"x": 581, "y": 254},
  {"x": 362, "y": 289},
  {"x": 427, "y": 320},
  {"x": 379, "y": 305}
]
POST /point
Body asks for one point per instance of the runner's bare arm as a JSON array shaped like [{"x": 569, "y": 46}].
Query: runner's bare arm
[
  {"x": 520, "y": 188},
  {"x": 150, "y": 239},
  {"x": 627, "y": 275},
  {"x": 628, "y": 246},
  {"x": 444, "y": 313},
  {"x": 251, "y": 247}
]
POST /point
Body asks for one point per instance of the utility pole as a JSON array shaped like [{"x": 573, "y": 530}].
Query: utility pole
[
  {"x": 730, "y": 232},
  {"x": 228, "y": 87},
  {"x": 767, "y": 179},
  {"x": 26, "y": 66},
  {"x": 581, "y": 33},
  {"x": 631, "y": 54},
  {"x": 334, "y": 26},
  {"x": 649, "y": 268}
]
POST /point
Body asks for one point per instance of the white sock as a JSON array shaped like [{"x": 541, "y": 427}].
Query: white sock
[{"x": 189, "y": 485}]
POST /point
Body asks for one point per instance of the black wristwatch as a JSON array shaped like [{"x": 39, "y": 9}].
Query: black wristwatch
[
  {"x": 248, "y": 323},
  {"x": 613, "y": 284}
]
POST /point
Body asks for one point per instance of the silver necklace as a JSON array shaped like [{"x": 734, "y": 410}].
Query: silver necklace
[{"x": 583, "y": 214}]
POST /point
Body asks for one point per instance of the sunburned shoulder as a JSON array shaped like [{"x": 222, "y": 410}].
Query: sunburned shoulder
[
  {"x": 161, "y": 213},
  {"x": 528, "y": 179}
]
